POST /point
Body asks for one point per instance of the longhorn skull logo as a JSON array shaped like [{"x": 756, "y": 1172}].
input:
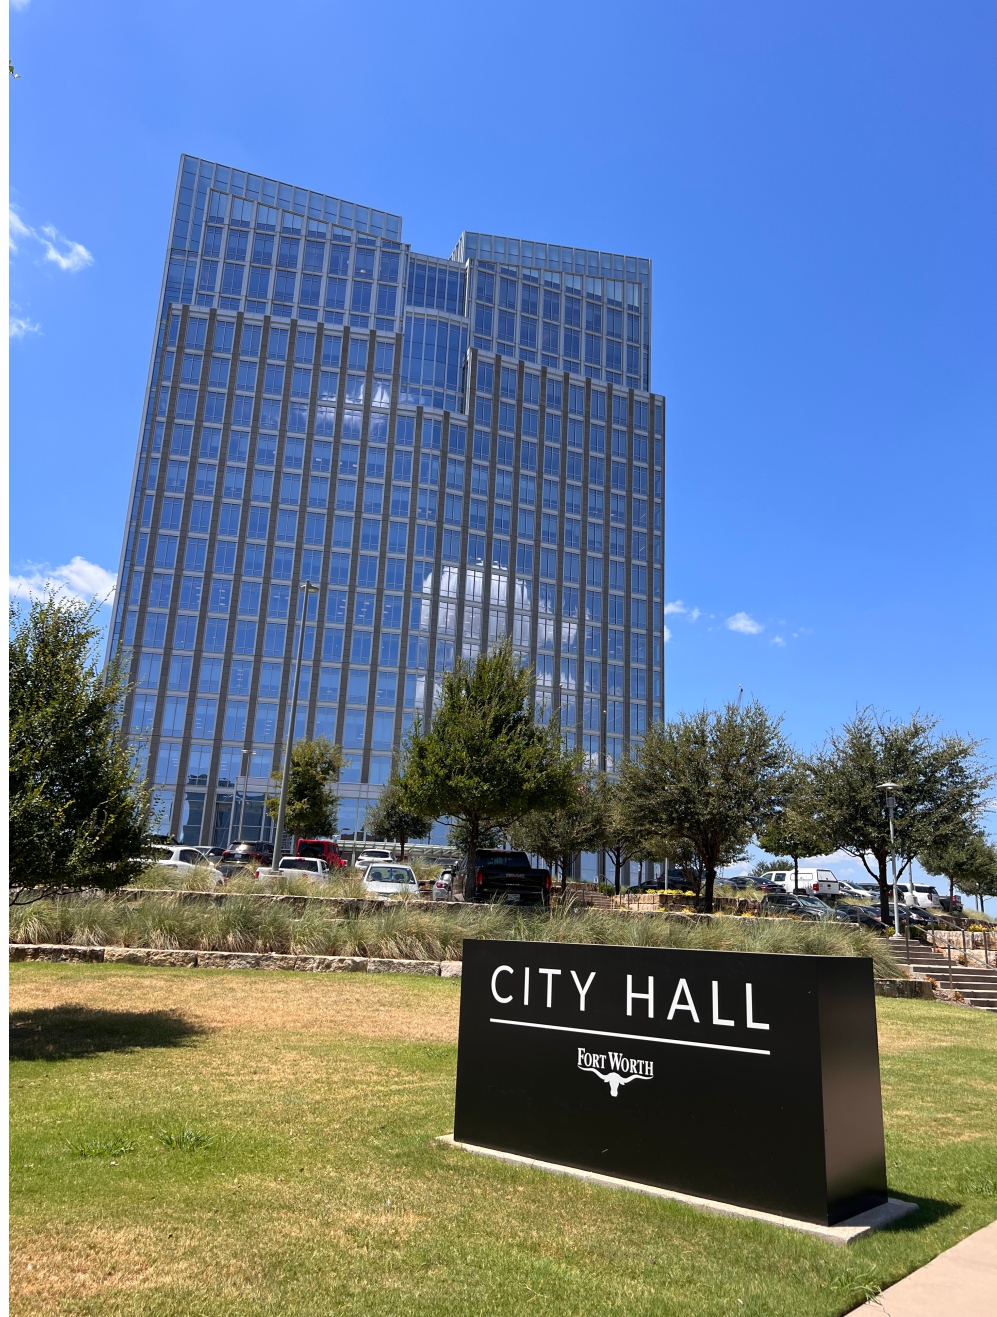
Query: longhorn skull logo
[{"x": 614, "y": 1080}]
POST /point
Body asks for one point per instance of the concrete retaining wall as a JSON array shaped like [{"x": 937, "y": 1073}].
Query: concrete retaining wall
[{"x": 446, "y": 969}]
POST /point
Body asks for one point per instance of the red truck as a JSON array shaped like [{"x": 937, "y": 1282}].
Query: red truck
[{"x": 321, "y": 848}]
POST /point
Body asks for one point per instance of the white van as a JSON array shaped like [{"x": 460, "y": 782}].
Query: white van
[{"x": 815, "y": 882}]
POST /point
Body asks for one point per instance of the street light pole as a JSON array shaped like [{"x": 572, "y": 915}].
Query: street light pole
[
  {"x": 891, "y": 804},
  {"x": 285, "y": 781}
]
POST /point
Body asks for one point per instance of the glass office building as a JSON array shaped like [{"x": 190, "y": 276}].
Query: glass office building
[{"x": 454, "y": 450}]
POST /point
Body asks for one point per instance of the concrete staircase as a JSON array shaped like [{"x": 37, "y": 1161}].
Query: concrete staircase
[{"x": 977, "y": 985}]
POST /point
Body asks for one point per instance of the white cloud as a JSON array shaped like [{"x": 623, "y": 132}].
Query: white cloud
[
  {"x": 62, "y": 252},
  {"x": 745, "y": 624},
  {"x": 19, "y": 326},
  {"x": 19, "y": 4},
  {"x": 677, "y": 607},
  {"x": 695, "y": 615},
  {"x": 668, "y": 635},
  {"x": 78, "y": 578},
  {"x": 777, "y": 640}
]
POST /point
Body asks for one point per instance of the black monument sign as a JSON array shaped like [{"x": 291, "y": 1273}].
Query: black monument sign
[{"x": 750, "y": 1079}]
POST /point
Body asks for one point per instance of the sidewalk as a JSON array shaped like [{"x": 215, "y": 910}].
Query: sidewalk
[{"x": 961, "y": 1282}]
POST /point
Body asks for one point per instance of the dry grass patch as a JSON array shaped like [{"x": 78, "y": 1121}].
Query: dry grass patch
[{"x": 381, "y": 1006}]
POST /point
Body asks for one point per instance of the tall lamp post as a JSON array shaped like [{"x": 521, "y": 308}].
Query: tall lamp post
[
  {"x": 891, "y": 803},
  {"x": 285, "y": 782}
]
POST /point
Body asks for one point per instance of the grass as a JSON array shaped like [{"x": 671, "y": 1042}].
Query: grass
[
  {"x": 324, "y": 1192},
  {"x": 416, "y": 934}
]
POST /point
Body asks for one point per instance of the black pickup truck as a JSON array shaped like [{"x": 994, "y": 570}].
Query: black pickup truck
[{"x": 503, "y": 876}]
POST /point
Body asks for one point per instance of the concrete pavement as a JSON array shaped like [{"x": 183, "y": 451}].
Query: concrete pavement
[{"x": 962, "y": 1282}]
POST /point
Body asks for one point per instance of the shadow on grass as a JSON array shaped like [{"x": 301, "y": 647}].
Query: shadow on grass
[
  {"x": 64, "y": 1033},
  {"x": 929, "y": 1212}
]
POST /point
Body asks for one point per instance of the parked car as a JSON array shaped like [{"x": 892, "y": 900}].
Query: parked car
[
  {"x": 374, "y": 855},
  {"x": 211, "y": 853},
  {"x": 856, "y": 893},
  {"x": 927, "y": 897},
  {"x": 246, "y": 855},
  {"x": 817, "y": 882},
  {"x": 917, "y": 916},
  {"x": 505, "y": 875},
  {"x": 391, "y": 880},
  {"x": 797, "y": 905},
  {"x": 323, "y": 848},
  {"x": 181, "y": 859},
  {"x": 865, "y": 915},
  {"x": 297, "y": 864},
  {"x": 443, "y": 886}
]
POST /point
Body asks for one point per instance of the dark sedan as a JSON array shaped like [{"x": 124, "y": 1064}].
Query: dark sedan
[
  {"x": 859, "y": 914},
  {"x": 795, "y": 906}
]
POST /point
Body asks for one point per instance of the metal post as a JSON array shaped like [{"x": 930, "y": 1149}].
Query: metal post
[
  {"x": 891, "y": 804},
  {"x": 285, "y": 781}
]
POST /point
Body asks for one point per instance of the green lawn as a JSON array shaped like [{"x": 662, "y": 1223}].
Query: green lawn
[{"x": 321, "y": 1190}]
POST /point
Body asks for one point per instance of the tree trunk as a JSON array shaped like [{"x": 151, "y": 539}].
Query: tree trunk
[
  {"x": 707, "y": 901},
  {"x": 401, "y": 842},
  {"x": 951, "y": 896},
  {"x": 796, "y": 873},
  {"x": 617, "y": 866},
  {"x": 471, "y": 861}
]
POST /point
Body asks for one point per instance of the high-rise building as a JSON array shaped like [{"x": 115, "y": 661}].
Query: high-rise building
[{"x": 455, "y": 450}]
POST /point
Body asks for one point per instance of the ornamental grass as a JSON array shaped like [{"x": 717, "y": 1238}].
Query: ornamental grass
[{"x": 401, "y": 930}]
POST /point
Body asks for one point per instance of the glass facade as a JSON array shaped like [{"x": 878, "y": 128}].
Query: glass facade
[{"x": 453, "y": 450}]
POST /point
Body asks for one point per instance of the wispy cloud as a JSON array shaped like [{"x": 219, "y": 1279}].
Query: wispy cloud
[
  {"x": 60, "y": 251},
  {"x": 78, "y": 578},
  {"x": 745, "y": 624},
  {"x": 20, "y": 326},
  {"x": 19, "y": 4},
  {"x": 777, "y": 640},
  {"x": 668, "y": 634},
  {"x": 677, "y": 607}
]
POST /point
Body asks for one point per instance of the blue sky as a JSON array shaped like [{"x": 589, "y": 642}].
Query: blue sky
[{"x": 815, "y": 185}]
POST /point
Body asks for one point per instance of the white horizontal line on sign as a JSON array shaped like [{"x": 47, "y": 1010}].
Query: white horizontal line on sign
[{"x": 634, "y": 1037}]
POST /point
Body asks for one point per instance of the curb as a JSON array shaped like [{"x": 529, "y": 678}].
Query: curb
[{"x": 22, "y": 951}]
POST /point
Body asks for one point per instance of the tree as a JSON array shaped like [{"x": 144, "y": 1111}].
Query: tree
[
  {"x": 312, "y": 805},
  {"x": 797, "y": 828},
  {"x": 391, "y": 818},
  {"x": 770, "y": 864},
  {"x": 616, "y": 841},
  {"x": 941, "y": 781},
  {"x": 709, "y": 779},
  {"x": 967, "y": 859},
  {"x": 79, "y": 816},
  {"x": 486, "y": 761},
  {"x": 557, "y": 835}
]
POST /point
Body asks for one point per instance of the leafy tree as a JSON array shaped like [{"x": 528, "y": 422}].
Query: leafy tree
[
  {"x": 312, "y": 805},
  {"x": 711, "y": 780},
  {"x": 485, "y": 761},
  {"x": 390, "y": 817},
  {"x": 967, "y": 859},
  {"x": 615, "y": 839},
  {"x": 557, "y": 835},
  {"x": 770, "y": 864},
  {"x": 941, "y": 781},
  {"x": 79, "y": 817},
  {"x": 797, "y": 828}
]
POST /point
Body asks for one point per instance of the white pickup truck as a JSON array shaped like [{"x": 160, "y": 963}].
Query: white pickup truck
[{"x": 298, "y": 864}]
